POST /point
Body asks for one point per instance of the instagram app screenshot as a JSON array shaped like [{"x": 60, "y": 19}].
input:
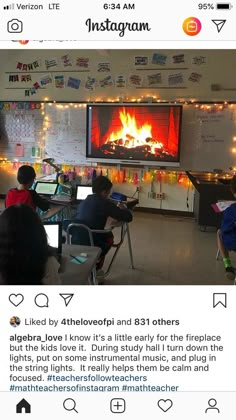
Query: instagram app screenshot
[{"x": 117, "y": 210}]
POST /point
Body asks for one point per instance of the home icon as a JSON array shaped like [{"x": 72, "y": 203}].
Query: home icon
[{"x": 23, "y": 406}]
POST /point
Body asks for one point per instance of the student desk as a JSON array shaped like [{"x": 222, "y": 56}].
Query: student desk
[
  {"x": 55, "y": 213},
  {"x": 71, "y": 273},
  {"x": 58, "y": 211}
]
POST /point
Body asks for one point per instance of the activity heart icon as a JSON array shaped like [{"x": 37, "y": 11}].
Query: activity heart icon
[
  {"x": 165, "y": 405},
  {"x": 16, "y": 300}
]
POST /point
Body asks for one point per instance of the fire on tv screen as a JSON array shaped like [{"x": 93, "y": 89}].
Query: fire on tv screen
[{"x": 147, "y": 133}]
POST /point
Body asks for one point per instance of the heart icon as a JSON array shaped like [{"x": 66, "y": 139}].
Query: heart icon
[
  {"x": 16, "y": 300},
  {"x": 165, "y": 405}
]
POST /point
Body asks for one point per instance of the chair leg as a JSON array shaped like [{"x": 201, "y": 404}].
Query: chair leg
[
  {"x": 112, "y": 260},
  {"x": 93, "y": 278},
  {"x": 130, "y": 247}
]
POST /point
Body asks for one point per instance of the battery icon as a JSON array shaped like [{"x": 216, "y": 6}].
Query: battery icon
[{"x": 224, "y": 6}]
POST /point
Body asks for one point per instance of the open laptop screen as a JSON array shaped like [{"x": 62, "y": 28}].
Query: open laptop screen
[
  {"x": 46, "y": 188},
  {"x": 82, "y": 191},
  {"x": 54, "y": 234}
]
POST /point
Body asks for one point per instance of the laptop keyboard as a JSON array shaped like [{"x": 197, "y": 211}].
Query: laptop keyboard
[{"x": 60, "y": 197}]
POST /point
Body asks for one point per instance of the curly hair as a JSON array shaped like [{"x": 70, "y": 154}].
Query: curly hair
[{"x": 23, "y": 246}]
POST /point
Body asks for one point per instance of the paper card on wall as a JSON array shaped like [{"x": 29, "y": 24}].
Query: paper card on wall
[
  {"x": 106, "y": 82},
  {"x": 175, "y": 79},
  {"x": 13, "y": 78},
  {"x": 199, "y": 60},
  {"x": 73, "y": 83},
  {"x": 59, "y": 81},
  {"x": 90, "y": 83},
  {"x": 35, "y": 152},
  {"x": 195, "y": 77},
  {"x": 159, "y": 59},
  {"x": 45, "y": 80},
  {"x": 36, "y": 85},
  {"x": 50, "y": 62},
  {"x": 140, "y": 60},
  {"x": 135, "y": 80},
  {"x": 82, "y": 62},
  {"x": 104, "y": 67},
  {"x": 26, "y": 78},
  {"x": 37, "y": 64},
  {"x": 66, "y": 60},
  {"x": 19, "y": 150},
  {"x": 153, "y": 79},
  {"x": 120, "y": 82},
  {"x": 178, "y": 59}
]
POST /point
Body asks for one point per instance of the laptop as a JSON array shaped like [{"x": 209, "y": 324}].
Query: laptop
[
  {"x": 54, "y": 235},
  {"x": 46, "y": 188},
  {"x": 82, "y": 192},
  {"x": 63, "y": 193}
]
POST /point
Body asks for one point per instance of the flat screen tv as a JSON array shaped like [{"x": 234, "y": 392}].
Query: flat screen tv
[{"x": 137, "y": 133}]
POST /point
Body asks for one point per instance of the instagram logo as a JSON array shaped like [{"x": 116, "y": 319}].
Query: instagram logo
[{"x": 192, "y": 26}]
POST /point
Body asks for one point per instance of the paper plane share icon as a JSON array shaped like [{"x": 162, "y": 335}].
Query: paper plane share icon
[
  {"x": 219, "y": 24},
  {"x": 66, "y": 297}
]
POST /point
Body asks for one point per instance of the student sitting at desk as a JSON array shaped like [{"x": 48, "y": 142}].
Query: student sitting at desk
[
  {"x": 22, "y": 194},
  {"x": 226, "y": 236},
  {"x": 25, "y": 256},
  {"x": 94, "y": 212}
]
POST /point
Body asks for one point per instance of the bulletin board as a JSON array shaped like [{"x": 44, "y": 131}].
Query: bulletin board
[
  {"x": 28, "y": 133},
  {"x": 65, "y": 139},
  {"x": 21, "y": 130}
]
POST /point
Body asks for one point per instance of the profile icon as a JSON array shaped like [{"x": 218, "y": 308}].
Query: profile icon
[
  {"x": 15, "y": 321},
  {"x": 212, "y": 405}
]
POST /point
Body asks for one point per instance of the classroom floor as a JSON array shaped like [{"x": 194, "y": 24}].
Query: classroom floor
[{"x": 168, "y": 250}]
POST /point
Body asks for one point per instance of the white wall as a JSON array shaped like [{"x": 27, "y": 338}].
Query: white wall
[{"x": 219, "y": 69}]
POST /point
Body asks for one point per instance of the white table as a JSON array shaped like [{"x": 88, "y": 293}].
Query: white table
[{"x": 71, "y": 273}]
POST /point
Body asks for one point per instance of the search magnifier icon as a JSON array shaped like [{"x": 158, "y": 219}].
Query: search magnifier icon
[{"x": 70, "y": 405}]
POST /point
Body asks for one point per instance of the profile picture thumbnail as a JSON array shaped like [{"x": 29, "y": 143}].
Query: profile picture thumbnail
[{"x": 15, "y": 321}]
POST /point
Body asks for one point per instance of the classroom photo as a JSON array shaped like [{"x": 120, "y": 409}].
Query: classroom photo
[{"x": 117, "y": 167}]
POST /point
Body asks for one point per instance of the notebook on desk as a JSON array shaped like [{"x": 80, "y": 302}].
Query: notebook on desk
[
  {"x": 82, "y": 192},
  {"x": 54, "y": 235},
  {"x": 46, "y": 188}
]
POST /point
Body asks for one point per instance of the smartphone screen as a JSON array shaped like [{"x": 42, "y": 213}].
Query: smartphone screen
[{"x": 136, "y": 100}]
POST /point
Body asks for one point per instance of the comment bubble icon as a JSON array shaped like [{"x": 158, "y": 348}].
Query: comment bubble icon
[{"x": 41, "y": 300}]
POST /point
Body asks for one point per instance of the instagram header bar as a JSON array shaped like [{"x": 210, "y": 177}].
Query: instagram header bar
[{"x": 100, "y": 23}]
